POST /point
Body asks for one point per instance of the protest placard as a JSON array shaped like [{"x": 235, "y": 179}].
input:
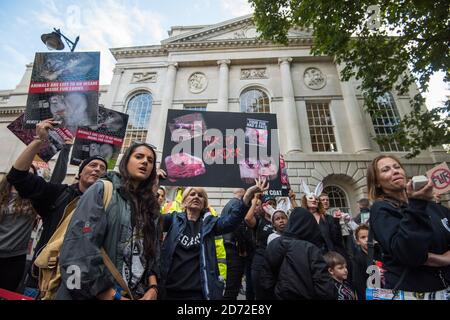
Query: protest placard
[
  {"x": 221, "y": 149},
  {"x": 104, "y": 139},
  {"x": 64, "y": 86},
  {"x": 49, "y": 148},
  {"x": 440, "y": 176}
]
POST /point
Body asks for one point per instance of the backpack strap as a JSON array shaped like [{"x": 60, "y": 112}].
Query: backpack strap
[
  {"x": 115, "y": 273},
  {"x": 107, "y": 195}
]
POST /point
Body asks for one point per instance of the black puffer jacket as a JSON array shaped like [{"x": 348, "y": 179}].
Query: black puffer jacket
[
  {"x": 294, "y": 267},
  {"x": 49, "y": 199}
]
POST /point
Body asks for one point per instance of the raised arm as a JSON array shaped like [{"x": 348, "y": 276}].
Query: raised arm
[
  {"x": 23, "y": 162},
  {"x": 292, "y": 198},
  {"x": 250, "y": 219},
  {"x": 230, "y": 222},
  {"x": 60, "y": 170}
]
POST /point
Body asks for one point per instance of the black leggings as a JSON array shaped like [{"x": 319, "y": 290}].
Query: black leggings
[
  {"x": 11, "y": 271},
  {"x": 235, "y": 271}
]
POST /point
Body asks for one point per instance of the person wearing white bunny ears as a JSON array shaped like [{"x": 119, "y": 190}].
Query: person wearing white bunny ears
[{"x": 329, "y": 226}]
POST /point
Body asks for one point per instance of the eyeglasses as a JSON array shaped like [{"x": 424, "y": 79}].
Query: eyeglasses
[{"x": 141, "y": 143}]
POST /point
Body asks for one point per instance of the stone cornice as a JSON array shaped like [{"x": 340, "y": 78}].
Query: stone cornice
[
  {"x": 154, "y": 51},
  {"x": 130, "y": 52},
  {"x": 233, "y": 43}
]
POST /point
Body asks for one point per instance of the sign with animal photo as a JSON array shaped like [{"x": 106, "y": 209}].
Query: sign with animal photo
[
  {"x": 285, "y": 185},
  {"x": 56, "y": 138},
  {"x": 221, "y": 149},
  {"x": 64, "y": 86},
  {"x": 104, "y": 139},
  {"x": 440, "y": 176}
]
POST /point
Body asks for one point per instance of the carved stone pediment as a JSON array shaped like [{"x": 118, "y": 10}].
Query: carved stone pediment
[
  {"x": 236, "y": 29},
  {"x": 246, "y": 32},
  {"x": 301, "y": 33},
  {"x": 142, "y": 77},
  {"x": 220, "y": 31},
  {"x": 239, "y": 31}
]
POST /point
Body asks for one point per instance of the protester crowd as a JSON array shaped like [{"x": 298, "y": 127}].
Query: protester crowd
[{"x": 124, "y": 239}]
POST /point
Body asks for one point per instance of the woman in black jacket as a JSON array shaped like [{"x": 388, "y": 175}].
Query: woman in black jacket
[
  {"x": 412, "y": 230},
  {"x": 294, "y": 267},
  {"x": 329, "y": 227}
]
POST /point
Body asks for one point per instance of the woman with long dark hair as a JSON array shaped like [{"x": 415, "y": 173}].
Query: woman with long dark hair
[
  {"x": 127, "y": 230},
  {"x": 17, "y": 217},
  {"x": 412, "y": 230}
]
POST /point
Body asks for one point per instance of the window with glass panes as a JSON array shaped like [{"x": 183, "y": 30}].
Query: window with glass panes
[
  {"x": 195, "y": 107},
  {"x": 139, "y": 109},
  {"x": 254, "y": 101},
  {"x": 337, "y": 198},
  {"x": 321, "y": 127},
  {"x": 384, "y": 120}
]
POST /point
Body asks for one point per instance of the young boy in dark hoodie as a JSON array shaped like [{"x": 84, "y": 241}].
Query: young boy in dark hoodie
[
  {"x": 337, "y": 267},
  {"x": 361, "y": 260},
  {"x": 293, "y": 264}
]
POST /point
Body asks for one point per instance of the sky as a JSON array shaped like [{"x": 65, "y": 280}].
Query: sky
[{"x": 107, "y": 24}]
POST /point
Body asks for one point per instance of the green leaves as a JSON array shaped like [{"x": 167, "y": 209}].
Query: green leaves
[{"x": 412, "y": 43}]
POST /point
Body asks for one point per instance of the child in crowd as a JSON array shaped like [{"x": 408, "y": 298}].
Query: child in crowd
[
  {"x": 360, "y": 260},
  {"x": 337, "y": 267}
]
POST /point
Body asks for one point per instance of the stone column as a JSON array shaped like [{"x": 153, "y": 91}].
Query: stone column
[
  {"x": 222, "y": 101},
  {"x": 156, "y": 132},
  {"x": 114, "y": 89},
  {"x": 288, "y": 112},
  {"x": 356, "y": 123}
]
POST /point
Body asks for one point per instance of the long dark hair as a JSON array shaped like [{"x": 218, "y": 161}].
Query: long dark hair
[
  {"x": 21, "y": 205},
  {"x": 146, "y": 208}
]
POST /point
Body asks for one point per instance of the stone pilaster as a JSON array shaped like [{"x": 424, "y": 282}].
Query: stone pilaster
[
  {"x": 222, "y": 100},
  {"x": 356, "y": 123},
  {"x": 288, "y": 111}
]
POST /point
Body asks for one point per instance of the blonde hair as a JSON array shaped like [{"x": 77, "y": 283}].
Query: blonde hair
[{"x": 199, "y": 190}]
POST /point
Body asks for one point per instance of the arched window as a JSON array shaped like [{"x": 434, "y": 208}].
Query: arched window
[
  {"x": 337, "y": 197},
  {"x": 384, "y": 121},
  {"x": 254, "y": 101},
  {"x": 139, "y": 109}
]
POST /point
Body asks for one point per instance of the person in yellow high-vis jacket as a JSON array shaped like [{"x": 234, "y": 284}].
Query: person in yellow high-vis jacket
[
  {"x": 220, "y": 252},
  {"x": 175, "y": 205}
]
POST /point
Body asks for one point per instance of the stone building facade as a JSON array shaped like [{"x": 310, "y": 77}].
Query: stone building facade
[{"x": 324, "y": 132}]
